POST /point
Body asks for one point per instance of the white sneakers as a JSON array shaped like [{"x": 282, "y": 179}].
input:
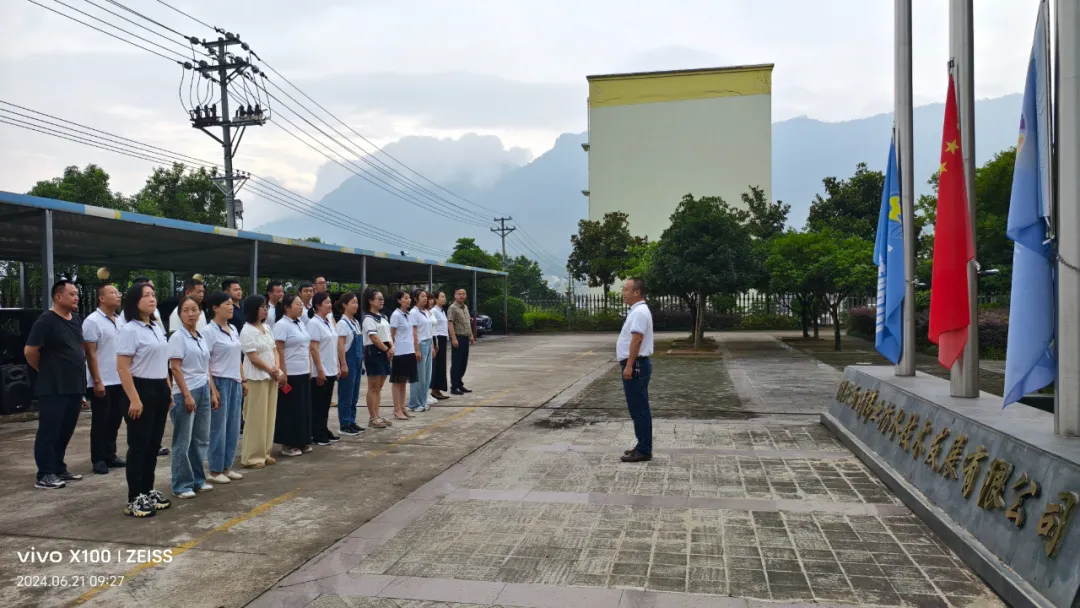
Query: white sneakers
[
  {"x": 233, "y": 475},
  {"x": 185, "y": 494},
  {"x": 219, "y": 478},
  {"x": 205, "y": 487},
  {"x": 290, "y": 452}
]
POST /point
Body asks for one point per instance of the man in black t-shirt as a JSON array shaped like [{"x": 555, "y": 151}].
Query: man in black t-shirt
[{"x": 55, "y": 350}]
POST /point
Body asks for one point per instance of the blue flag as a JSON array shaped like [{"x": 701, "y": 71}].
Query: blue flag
[
  {"x": 1030, "y": 362},
  {"x": 889, "y": 257}
]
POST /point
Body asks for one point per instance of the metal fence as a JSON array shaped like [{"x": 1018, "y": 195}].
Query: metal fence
[{"x": 752, "y": 303}]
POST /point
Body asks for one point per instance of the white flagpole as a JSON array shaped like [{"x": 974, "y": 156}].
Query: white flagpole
[{"x": 905, "y": 140}]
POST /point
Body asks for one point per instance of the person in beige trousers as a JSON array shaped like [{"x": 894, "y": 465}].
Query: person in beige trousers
[{"x": 262, "y": 368}]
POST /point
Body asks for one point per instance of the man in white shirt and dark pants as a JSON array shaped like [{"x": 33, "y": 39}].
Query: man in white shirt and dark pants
[{"x": 633, "y": 350}]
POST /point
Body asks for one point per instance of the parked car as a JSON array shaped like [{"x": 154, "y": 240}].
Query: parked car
[{"x": 482, "y": 323}]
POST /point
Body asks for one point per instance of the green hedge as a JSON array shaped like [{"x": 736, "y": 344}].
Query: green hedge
[
  {"x": 544, "y": 321},
  {"x": 763, "y": 321}
]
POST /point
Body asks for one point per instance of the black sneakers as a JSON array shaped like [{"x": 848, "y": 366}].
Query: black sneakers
[
  {"x": 49, "y": 482},
  {"x": 69, "y": 476},
  {"x": 101, "y": 467},
  {"x": 158, "y": 500},
  {"x": 141, "y": 506},
  {"x": 351, "y": 429},
  {"x": 333, "y": 438}
]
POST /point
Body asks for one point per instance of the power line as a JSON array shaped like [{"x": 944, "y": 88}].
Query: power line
[
  {"x": 150, "y": 42},
  {"x": 139, "y": 25},
  {"x": 363, "y": 156},
  {"x": 137, "y": 13},
  {"x": 397, "y": 176},
  {"x": 363, "y": 174},
  {"x": 369, "y": 142},
  {"x": 93, "y": 27},
  {"x": 161, "y": 158},
  {"x": 187, "y": 15}
]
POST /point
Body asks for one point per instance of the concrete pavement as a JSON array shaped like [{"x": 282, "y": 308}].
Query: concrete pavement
[
  {"x": 747, "y": 502},
  {"x": 229, "y": 545}
]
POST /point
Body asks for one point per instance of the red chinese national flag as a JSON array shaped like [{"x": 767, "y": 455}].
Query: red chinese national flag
[{"x": 950, "y": 314}]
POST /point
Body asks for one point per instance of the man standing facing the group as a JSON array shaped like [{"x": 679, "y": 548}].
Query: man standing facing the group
[
  {"x": 232, "y": 287},
  {"x": 319, "y": 285},
  {"x": 106, "y": 396},
  {"x": 633, "y": 350},
  {"x": 461, "y": 336},
  {"x": 274, "y": 292},
  {"x": 55, "y": 351},
  {"x": 195, "y": 289}
]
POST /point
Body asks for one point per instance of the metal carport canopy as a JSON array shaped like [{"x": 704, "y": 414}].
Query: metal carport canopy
[{"x": 85, "y": 234}]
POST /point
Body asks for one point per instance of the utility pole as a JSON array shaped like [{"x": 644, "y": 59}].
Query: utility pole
[
  {"x": 502, "y": 231},
  {"x": 227, "y": 67}
]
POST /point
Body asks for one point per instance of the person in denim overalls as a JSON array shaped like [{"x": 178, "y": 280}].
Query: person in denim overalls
[{"x": 351, "y": 353}]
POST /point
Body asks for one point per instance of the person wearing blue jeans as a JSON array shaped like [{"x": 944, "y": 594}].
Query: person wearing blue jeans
[
  {"x": 189, "y": 359},
  {"x": 425, "y": 331},
  {"x": 226, "y": 389},
  {"x": 633, "y": 350},
  {"x": 190, "y": 441},
  {"x": 351, "y": 354}
]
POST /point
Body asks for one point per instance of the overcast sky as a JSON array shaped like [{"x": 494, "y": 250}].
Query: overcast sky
[{"x": 515, "y": 70}]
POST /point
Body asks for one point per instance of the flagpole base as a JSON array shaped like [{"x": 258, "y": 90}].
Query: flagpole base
[{"x": 918, "y": 440}]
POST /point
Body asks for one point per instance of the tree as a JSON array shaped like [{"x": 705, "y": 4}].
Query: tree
[
  {"x": 993, "y": 193},
  {"x": 789, "y": 261},
  {"x": 851, "y": 206},
  {"x": 641, "y": 259},
  {"x": 182, "y": 194},
  {"x": 601, "y": 250},
  {"x": 706, "y": 250},
  {"x": 767, "y": 220},
  {"x": 846, "y": 268},
  {"x": 526, "y": 280},
  {"x": 468, "y": 253},
  {"x": 312, "y": 239},
  {"x": 89, "y": 186}
]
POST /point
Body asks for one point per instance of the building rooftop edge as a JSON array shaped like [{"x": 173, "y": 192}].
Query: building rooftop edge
[{"x": 713, "y": 70}]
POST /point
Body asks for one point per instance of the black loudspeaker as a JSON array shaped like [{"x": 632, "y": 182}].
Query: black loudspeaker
[{"x": 16, "y": 391}]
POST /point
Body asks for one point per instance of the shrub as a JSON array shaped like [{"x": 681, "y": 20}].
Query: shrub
[
  {"x": 515, "y": 313},
  {"x": 544, "y": 320},
  {"x": 862, "y": 322},
  {"x": 602, "y": 320},
  {"x": 993, "y": 329},
  {"x": 764, "y": 321}
]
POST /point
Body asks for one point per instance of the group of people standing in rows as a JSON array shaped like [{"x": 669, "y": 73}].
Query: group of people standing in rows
[{"x": 231, "y": 372}]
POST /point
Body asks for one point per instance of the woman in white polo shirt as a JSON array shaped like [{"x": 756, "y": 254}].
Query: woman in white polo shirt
[
  {"x": 378, "y": 353},
  {"x": 262, "y": 370},
  {"x": 418, "y": 390},
  {"x": 189, "y": 360},
  {"x": 407, "y": 353},
  {"x": 142, "y": 360},
  {"x": 226, "y": 388},
  {"x": 440, "y": 345},
  {"x": 292, "y": 427},
  {"x": 324, "y": 367}
]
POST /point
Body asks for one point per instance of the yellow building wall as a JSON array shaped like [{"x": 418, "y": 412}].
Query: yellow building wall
[{"x": 655, "y": 137}]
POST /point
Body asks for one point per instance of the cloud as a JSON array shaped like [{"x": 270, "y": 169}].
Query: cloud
[{"x": 457, "y": 100}]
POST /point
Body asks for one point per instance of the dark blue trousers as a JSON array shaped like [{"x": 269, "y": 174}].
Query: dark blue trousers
[{"x": 637, "y": 401}]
